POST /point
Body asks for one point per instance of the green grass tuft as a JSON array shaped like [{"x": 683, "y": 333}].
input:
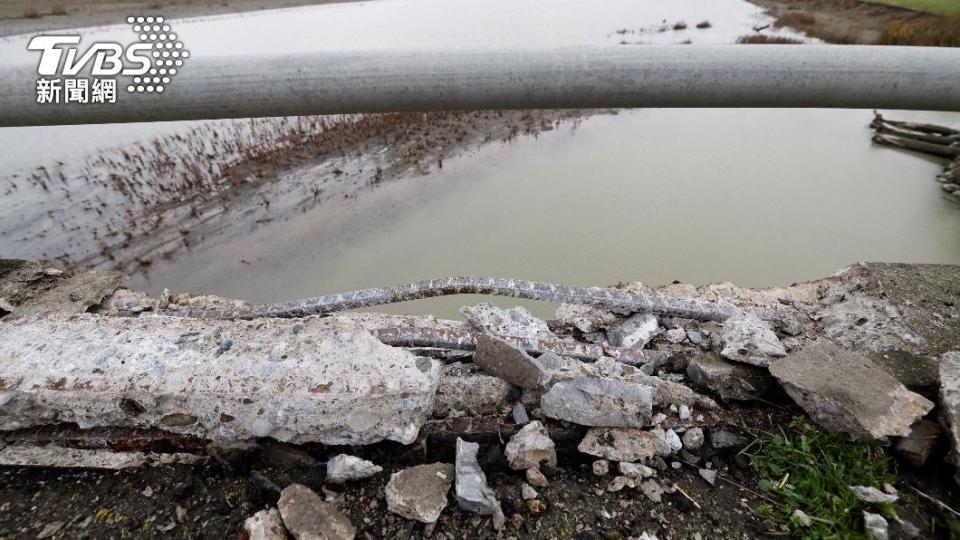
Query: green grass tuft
[{"x": 807, "y": 469}]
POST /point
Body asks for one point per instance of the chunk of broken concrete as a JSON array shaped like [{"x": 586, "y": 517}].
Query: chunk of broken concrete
[
  {"x": 315, "y": 385},
  {"x": 307, "y": 516},
  {"x": 845, "y": 392},
  {"x": 530, "y": 447},
  {"x": 473, "y": 492},
  {"x": 950, "y": 403},
  {"x": 465, "y": 390},
  {"x": 344, "y": 468},
  {"x": 709, "y": 475},
  {"x": 652, "y": 490},
  {"x": 508, "y": 362},
  {"x": 870, "y": 494},
  {"x": 265, "y": 525},
  {"x": 730, "y": 380},
  {"x": 623, "y": 444},
  {"x": 636, "y": 470},
  {"x": 594, "y": 401},
  {"x": 519, "y": 412},
  {"x": 875, "y": 526},
  {"x": 917, "y": 447},
  {"x": 517, "y": 322},
  {"x": 748, "y": 339},
  {"x": 536, "y": 478},
  {"x": 693, "y": 439},
  {"x": 635, "y": 332},
  {"x": 420, "y": 492}
]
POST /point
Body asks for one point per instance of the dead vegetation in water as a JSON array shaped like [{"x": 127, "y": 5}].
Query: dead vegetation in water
[
  {"x": 129, "y": 206},
  {"x": 755, "y": 39},
  {"x": 932, "y": 31}
]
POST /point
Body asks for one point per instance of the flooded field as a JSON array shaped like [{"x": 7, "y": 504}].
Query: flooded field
[
  {"x": 764, "y": 197},
  {"x": 757, "y": 197}
]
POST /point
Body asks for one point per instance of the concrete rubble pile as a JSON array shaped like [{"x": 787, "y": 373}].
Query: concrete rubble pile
[{"x": 329, "y": 380}]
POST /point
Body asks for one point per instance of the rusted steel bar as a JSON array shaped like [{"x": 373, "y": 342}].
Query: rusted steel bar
[
  {"x": 467, "y": 341},
  {"x": 622, "y": 301}
]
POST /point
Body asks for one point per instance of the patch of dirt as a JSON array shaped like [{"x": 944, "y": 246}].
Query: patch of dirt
[
  {"x": 29, "y": 16},
  {"x": 836, "y": 21}
]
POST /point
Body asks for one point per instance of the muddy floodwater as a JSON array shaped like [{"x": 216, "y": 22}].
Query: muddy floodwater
[{"x": 756, "y": 197}]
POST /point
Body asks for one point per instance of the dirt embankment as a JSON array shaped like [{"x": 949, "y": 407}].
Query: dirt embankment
[
  {"x": 838, "y": 21},
  {"x": 26, "y": 16}
]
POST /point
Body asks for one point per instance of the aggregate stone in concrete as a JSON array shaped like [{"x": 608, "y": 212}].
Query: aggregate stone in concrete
[
  {"x": 594, "y": 401},
  {"x": 508, "y": 362},
  {"x": 316, "y": 385},
  {"x": 420, "y": 492},
  {"x": 308, "y": 517},
  {"x": 845, "y": 392},
  {"x": 731, "y": 381},
  {"x": 623, "y": 444}
]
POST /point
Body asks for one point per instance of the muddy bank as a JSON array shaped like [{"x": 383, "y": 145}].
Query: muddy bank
[
  {"x": 709, "y": 394},
  {"x": 29, "y": 16},
  {"x": 837, "y": 21}
]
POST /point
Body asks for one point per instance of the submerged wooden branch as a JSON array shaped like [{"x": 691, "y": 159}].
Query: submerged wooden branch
[
  {"x": 918, "y": 146},
  {"x": 879, "y": 120},
  {"x": 621, "y": 301}
]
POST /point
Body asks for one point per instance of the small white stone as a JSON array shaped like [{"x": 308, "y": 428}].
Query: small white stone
[
  {"x": 601, "y": 467},
  {"x": 527, "y": 492}
]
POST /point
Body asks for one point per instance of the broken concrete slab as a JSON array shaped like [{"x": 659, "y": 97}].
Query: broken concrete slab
[
  {"x": 175, "y": 374},
  {"x": 508, "y": 362},
  {"x": 28, "y": 288},
  {"x": 265, "y": 525},
  {"x": 586, "y": 319},
  {"x": 307, "y": 516},
  {"x": 623, "y": 444},
  {"x": 517, "y": 321},
  {"x": 593, "y": 401},
  {"x": 465, "y": 390},
  {"x": 748, "y": 339},
  {"x": 345, "y": 468},
  {"x": 917, "y": 447},
  {"x": 530, "y": 447},
  {"x": 473, "y": 492},
  {"x": 420, "y": 492},
  {"x": 950, "y": 404},
  {"x": 731, "y": 381},
  {"x": 845, "y": 392},
  {"x": 918, "y": 373},
  {"x": 53, "y": 456},
  {"x": 635, "y": 332}
]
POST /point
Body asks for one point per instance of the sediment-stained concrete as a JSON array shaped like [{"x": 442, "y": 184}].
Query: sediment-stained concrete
[{"x": 290, "y": 380}]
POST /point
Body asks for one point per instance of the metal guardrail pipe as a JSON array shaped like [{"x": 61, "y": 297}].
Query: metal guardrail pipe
[{"x": 621, "y": 76}]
